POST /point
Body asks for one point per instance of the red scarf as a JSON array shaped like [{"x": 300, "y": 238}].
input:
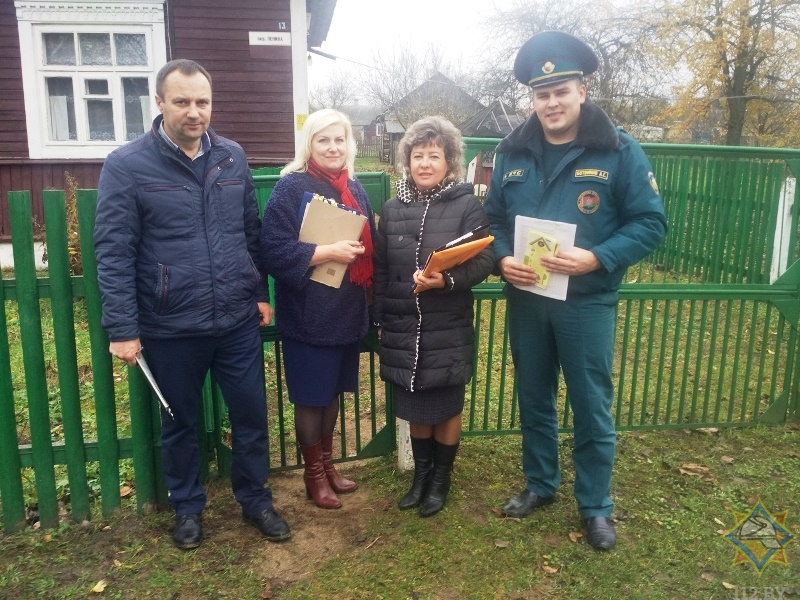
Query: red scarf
[{"x": 361, "y": 268}]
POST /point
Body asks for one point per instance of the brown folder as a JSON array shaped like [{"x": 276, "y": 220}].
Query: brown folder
[{"x": 326, "y": 223}]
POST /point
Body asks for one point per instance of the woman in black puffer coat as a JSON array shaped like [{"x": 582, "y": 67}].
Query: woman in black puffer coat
[{"x": 427, "y": 336}]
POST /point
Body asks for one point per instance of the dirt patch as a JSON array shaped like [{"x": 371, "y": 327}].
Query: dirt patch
[{"x": 318, "y": 535}]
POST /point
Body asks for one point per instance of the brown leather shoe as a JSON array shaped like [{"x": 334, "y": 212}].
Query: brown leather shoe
[
  {"x": 339, "y": 484},
  {"x": 318, "y": 487}
]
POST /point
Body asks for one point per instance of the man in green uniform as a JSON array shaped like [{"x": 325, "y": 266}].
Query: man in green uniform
[{"x": 569, "y": 163}]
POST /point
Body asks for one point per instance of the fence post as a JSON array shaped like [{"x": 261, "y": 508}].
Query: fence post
[
  {"x": 144, "y": 456},
  {"x": 105, "y": 407},
  {"x": 61, "y": 300},
  {"x": 30, "y": 325},
  {"x": 11, "y": 465}
]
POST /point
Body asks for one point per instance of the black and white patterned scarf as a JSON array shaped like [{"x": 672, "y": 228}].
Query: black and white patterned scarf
[{"x": 407, "y": 192}]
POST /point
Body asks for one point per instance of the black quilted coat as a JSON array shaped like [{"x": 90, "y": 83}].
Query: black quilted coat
[{"x": 427, "y": 339}]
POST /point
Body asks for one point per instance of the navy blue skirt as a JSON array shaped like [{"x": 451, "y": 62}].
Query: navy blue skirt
[{"x": 316, "y": 375}]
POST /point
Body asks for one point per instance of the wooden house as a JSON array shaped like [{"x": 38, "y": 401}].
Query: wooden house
[
  {"x": 77, "y": 79},
  {"x": 437, "y": 95}
]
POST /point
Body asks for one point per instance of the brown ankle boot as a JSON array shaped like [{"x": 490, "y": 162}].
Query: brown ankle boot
[
  {"x": 317, "y": 486},
  {"x": 339, "y": 484}
]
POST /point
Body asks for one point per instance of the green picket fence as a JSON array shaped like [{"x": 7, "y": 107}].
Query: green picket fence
[{"x": 707, "y": 336}]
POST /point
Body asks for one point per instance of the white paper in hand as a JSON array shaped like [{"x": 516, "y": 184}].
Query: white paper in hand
[{"x": 564, "y": 232}]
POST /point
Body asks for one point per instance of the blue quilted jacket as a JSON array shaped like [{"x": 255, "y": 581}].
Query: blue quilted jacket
[{"x": 176, "y": 256}]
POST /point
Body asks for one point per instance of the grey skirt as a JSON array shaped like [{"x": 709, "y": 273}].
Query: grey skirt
[{"x": 428, "y": 407}]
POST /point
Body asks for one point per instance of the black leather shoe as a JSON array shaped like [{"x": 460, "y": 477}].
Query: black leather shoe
[
  {"x": 600, "y": 533},
  {"x": 271, "y": 525},
  {"x": 188, "y": 532},
  {"x": 523, "y": 504}
]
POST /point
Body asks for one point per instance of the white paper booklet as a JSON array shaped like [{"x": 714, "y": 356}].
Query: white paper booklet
[{"x": 565, "y": 233}]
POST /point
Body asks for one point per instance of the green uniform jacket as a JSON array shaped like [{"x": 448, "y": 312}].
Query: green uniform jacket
[{"x": 604, "y": 184}]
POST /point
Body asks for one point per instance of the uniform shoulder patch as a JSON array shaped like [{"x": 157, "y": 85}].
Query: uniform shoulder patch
[{"x": 653, "y": 183}]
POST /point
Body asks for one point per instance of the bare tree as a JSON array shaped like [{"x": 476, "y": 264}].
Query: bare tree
[
  {"x": 624, "y": 85},
  {"x": 410, "y": 83},
  {"x": 337, "y": 91}
]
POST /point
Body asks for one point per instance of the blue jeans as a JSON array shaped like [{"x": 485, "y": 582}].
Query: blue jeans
[{"x": 180, "y": 366}]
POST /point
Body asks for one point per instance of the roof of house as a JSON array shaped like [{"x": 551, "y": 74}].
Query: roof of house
[
  {"x": 437, "y": 95},
  {"x": 321, "y": 13},
  {"x": 496, "y": 120},
  {"x": 360, "y": 116},
  {"x": 441, "y": 87}
]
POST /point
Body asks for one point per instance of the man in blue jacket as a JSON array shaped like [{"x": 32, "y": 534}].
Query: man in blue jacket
[
  {"x": 569, "y": 163},
  {"x": 176, "y": 239}
]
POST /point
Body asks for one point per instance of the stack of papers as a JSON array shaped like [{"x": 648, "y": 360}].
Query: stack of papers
[
  {"x": 326, "y": 222},
  {"x": 533, "y": 238}
]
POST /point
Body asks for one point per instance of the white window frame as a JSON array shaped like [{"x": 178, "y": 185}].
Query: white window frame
[{"x": 36, "y": 17}]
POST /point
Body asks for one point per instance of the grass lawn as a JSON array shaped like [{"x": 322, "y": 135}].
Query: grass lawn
[{"x": 674, "y": 490}]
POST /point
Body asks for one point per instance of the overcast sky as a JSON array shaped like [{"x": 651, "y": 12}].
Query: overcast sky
[{"x": 360, "y": 28}]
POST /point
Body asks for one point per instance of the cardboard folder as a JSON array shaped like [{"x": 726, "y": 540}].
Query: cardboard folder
[
  {"x": 457, "y": 251},
  {"x": 326, "y": 223},
  {"x": 446, "y": 258}
]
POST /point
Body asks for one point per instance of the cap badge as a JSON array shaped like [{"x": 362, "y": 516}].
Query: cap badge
[{"x": 548, "y": 68}]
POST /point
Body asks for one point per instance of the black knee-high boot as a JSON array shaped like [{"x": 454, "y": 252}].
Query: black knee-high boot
[
  {"x": 422, "y": 449},
  {"x": 443, "y": 457}
]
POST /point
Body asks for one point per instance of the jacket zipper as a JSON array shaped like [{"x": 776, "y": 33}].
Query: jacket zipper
[
  {"x": 163, "y": 295},
  {"x": 416, "y": 299}
]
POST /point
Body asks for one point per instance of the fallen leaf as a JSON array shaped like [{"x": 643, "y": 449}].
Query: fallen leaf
[
  {"x": 722, "y": 531},
  {"x": 718, "y": 522},
  {"x": 574, "y": 536},
  {"x": 695, "y": 467},
  {"x": 728, "y": 586},
  {"x": 117, "y": 563},
  {"x": 695, "y": 470},
  {"x": 498, "y": 512},
  {"x": 707, "y": 576},
  {"x": 549, "y": 570},
  {"x": 47, "y": 537},
  {"x": 125, "y": 491},
  {"x": 100, "y": 587},
  {"x": 501, "y": 544},
  {"x": 727, "y": 459}
]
